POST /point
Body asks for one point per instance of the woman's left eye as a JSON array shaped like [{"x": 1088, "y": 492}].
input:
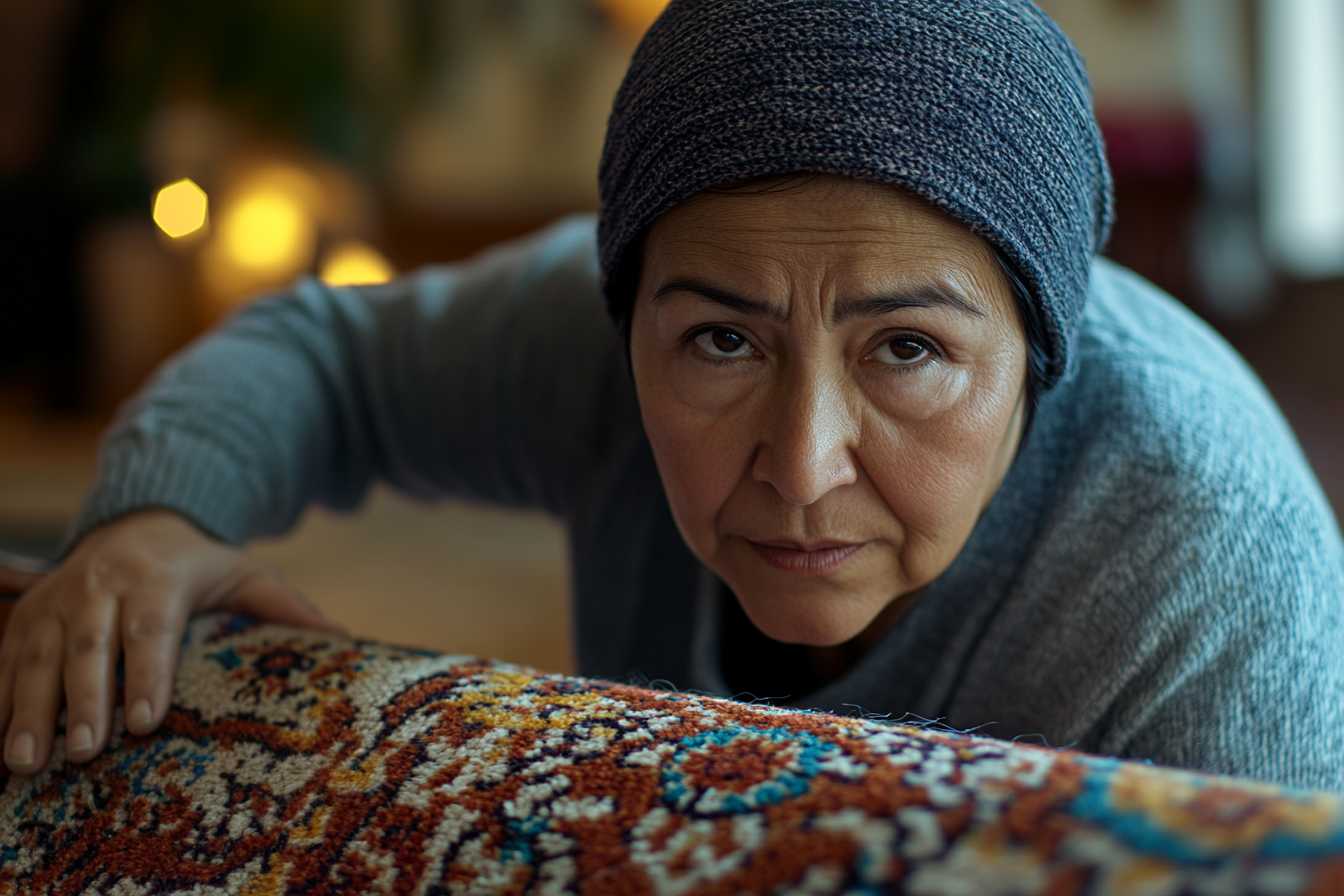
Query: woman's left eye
[
  {"x": 902, "y": 351},
  {"x": 721, "y": 342}
]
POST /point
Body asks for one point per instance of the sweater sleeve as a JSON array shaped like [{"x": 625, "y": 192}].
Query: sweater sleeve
[{"x": 498, "y": 379}]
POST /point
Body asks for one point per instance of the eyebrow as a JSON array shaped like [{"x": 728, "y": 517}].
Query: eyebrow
[
  {"x": 871, "y": 306},
  {"x": 751, "y": 307},
  {"x": 923, "y": 297}
]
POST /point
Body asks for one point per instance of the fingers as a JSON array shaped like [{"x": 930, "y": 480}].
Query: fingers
[
  {"x": 151, "y": 633},
  {"x": 265, "y": 595},
  {"x": 92, "y": 646},
  {"x": 36, "y": 695},
  {"x": 129, "y": 587},
  {"x": 8, "y": 666}
]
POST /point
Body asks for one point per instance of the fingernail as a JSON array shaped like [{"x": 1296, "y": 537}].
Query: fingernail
[
  {"x": 81, "y": 738},
  {"x": 21, "y": 750},
  {"x": 140, "y": 713}
]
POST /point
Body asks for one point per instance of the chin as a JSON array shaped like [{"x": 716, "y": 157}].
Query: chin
[
  {"x": 816, "y": 610},
  {"x": 817, "y": 617}
]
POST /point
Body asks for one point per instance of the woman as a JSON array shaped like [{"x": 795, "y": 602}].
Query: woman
[{"x": 877, "y": 429}]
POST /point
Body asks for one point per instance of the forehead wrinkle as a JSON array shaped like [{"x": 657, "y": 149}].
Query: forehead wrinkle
[
  {"x": 821, "y": 254},
  {"x": 740, "y": 304},
  {"x": 800, "y": 222},
  {"x": 921, "y": 297},
  {"x": 841, "y": 234}
]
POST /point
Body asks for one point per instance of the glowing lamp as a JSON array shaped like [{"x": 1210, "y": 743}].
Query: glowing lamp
[
  {"x": 352, "y": 262},
  {"x": 268, "y": 231},
  {"x": 180, "y": 208}
]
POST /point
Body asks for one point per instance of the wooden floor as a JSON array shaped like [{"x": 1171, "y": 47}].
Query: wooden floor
[{"x": 452, "y": 577}]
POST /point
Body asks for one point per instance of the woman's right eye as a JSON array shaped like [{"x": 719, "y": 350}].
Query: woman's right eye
[{"x": 721, "y": 342}]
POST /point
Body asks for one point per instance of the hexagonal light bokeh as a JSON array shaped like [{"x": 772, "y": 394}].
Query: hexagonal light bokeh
[{"x": 180, "y": 208}]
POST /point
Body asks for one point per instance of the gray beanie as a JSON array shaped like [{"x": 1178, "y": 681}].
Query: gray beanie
[{"x": 981, "y": 107}]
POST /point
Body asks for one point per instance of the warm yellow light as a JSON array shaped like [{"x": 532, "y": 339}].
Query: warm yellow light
[
  {"x": 268, "y": 231},
  {"x": 180, "y": 208},
  {"x": 352, "y": 263},
  {"x": 634, "y": 16}
]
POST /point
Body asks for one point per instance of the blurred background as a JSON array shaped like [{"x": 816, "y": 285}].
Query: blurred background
[{"x": 163, "y": 162}]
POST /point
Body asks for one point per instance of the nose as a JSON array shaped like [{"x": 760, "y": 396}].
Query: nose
[{"x": 808, "y": 440}]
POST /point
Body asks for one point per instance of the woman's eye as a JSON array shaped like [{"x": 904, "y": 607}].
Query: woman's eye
[
  {"x": 902, "y": 351},
  {"x": 721, "y": 342}
]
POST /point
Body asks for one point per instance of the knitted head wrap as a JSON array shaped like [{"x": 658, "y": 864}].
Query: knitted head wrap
[{"x": 981, "y": 107}]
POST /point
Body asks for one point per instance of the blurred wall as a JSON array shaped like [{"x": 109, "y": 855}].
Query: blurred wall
[
  {"x": 409, "y": 132},
  {"x": 387, "y": 134},
  {"x": 350, "y": 139}
]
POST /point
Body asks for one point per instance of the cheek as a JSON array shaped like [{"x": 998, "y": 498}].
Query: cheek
[
  {"x": 705, "y": 391},
  {"x": 701, "y": 442},
  {"x": 911, "y": 399},
  {"x": 937, "y": 469}
]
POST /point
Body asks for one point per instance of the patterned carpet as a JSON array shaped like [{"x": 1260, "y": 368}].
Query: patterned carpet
[{"x": 297, "y": 763}]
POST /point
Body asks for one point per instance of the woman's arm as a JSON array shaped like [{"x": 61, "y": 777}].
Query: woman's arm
[
  {"x": 498, "y": 379},
  {"x": 473, "y": 379}
]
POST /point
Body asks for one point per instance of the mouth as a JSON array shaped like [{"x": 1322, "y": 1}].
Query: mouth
[{"x": 805, "y": 560}]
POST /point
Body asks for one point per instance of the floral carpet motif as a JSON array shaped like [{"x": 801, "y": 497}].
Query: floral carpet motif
[{"x": 293, "y": 762}]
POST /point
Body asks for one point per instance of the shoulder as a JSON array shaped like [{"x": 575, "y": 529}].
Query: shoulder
[
  {"x": 1162, "y": 375},
  {"x": 518, "y": 343},
  {"x": 557, "y": 264},
  {"x": 525, "y": 317},
  {"x": 1160, "y": 401},
  {"x": 563, "y": 251},
  {"x": 1165, "y": 435},
  {"x": 1177, "y": 585},
  {"x": 1186, "y": 553}
]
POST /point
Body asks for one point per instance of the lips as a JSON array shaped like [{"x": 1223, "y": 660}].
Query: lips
[{"x": 814, "y": 560}]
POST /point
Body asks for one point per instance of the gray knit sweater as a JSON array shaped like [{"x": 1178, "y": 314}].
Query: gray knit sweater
[{"x": 1158, "y": 577}]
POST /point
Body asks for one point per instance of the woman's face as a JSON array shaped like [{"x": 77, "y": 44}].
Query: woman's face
[{"x": 832, "y": 379}]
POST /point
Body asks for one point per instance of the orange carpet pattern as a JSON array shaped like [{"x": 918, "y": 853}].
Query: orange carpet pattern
[{"x": 297, "y": 763}]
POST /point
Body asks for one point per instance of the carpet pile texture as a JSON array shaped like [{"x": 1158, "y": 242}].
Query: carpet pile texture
[{"x": 293, "y": 762}]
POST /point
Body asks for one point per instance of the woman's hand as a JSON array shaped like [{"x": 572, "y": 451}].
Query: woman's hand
[{"x": 130, "y": 585}]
